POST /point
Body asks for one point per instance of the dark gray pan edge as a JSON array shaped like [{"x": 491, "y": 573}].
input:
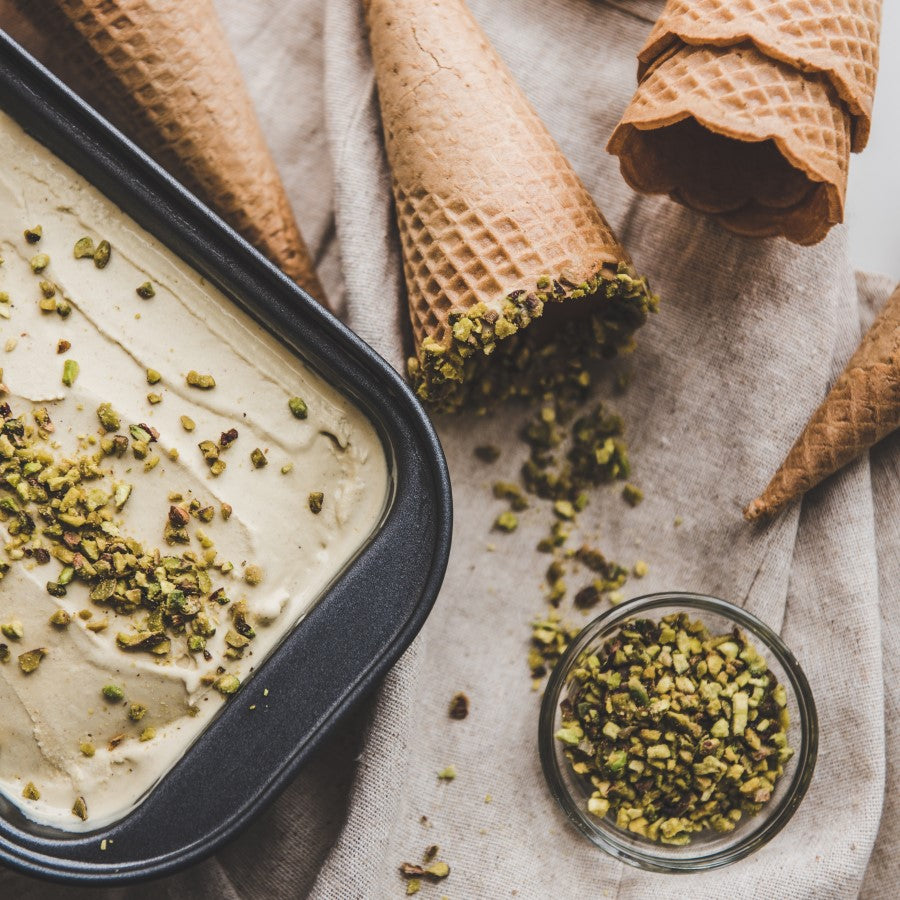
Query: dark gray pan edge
[{"x": 368, "y": 616}]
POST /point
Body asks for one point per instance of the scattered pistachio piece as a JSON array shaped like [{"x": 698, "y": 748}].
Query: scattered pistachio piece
[
  {"x": 153, "y": 398},
  {"x": 29, "y": 661},
  {"x": 84, "y": 247},
  {"x": 147, "y": 734},
  {"x": 39, "y": 262},
  {"x": 14, "y": 630},
  {"x": 507, "y": 521},
  {"x": 87, "y": 748},
  {"x": 108, "y": 417},
  {"x": 187, "y": 423},
  {"x": 101, "y": 254},
  {"x": 30, "y": 792},
  {"x": 316, "y": 501},
  {"x": 153, "y": 377},
  {"x": 298, "y": 408},
  {"x": 227, "y": 684},
  {"x": 632, "y": 494},
  {"x": 640, "y": 569},
  {"x": 113, "y": 692},
  {"x": 253, "y": 575},
  {"x": 79, "y": 809},
  {"x": 63, "y": 346},
  {"x": 146, "y": 290},
  {"x": 258, "y": 458},
  {"x": 447, "y": 774},
  {"x": 203, "y": 382},
  {"x": 136, "y": 712},
  {"x": 60, "y": 619},
  {"x": 70, "y": 372},
  {"x": 33, "y": 235}
]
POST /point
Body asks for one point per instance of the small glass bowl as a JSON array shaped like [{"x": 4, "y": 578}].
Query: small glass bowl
[{"x": 711, "y": 849}]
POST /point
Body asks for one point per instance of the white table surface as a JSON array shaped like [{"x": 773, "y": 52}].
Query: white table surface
[{"x": 873, "y": 194}]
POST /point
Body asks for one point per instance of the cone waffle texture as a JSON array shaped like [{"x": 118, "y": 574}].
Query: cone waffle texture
[
  {"x": 162, "y": 70},
  {"x": 772, "y": 95},
  {"x": 838, "y": 38},
  {"x": 861, "y": 408},
  {"x": 486, "y": 202}
]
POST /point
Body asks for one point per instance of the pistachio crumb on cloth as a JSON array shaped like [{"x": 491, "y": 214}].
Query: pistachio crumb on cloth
[{"x": 722, "y": 380}]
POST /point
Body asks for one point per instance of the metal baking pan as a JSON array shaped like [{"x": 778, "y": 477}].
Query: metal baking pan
[{"x": 365, "y": 619}]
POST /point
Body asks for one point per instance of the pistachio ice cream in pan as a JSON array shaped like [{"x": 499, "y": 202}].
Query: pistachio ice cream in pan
[{"x": 176, "y": 491}]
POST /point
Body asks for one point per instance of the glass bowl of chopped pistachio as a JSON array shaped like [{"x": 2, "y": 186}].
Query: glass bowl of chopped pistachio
[{"x": 678, "y": 732}]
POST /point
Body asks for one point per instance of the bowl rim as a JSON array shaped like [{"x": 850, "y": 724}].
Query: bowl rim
[{"x": 804, "y": 760}]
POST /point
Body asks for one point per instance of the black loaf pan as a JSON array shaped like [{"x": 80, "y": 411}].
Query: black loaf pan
[{"x": 365, "y": 619}]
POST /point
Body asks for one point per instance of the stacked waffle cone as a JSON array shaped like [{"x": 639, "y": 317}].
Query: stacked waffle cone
[
  {"x": 494, "y": 223},
  {"x": 861, "y": 408},
  {"x": 162, "y": 70},
  {"x": 748, "y": 110}
]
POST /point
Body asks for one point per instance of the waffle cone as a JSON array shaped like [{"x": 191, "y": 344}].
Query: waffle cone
[
  {"x": 163, "y": 72},
  {"x": 748, "y": 110},
  {"x": 487, "y": 205},
  {"x": 861, "y": 408},
  {"x": 837, "y": 38}
]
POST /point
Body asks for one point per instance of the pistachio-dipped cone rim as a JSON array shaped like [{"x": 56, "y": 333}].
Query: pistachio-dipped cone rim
[{"x": 490, "y": 355}]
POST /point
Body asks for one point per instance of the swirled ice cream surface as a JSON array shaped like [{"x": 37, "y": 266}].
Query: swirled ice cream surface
[{"x": 144, "y": 577}]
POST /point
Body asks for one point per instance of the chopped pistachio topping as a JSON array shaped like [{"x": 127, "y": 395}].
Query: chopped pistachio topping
[
  {"x": 258, "y": 458},
  {"x": 63, "y": 346},
  {"x": 640, "y": 569},
  {"x": 113, "y": 692},
  {"x": 60, "y": 619},
  {"x": 30, "y": 792},
  {"x": 677, "y": 730},
  {"x": 448, "y": 773},
  {"x": 79, "y": 809},
  {"x": 253, "y": 575},
  {"x": 187, "y": 423},
  {"x": 33, "y": 235},
  {"x": 101, "y": 254},
  {"x": 39, "y": 262},
  {"x": 316, "y": 501},
  {"x": 136, "y": 712},
  {"x": 29, "y": 661},
  {"x": 108, "y": 417},
  {"x": 489, "y": 354},
  {"x": 146, "y": 290},
  {"x": 632, "y": 495},
  {"x": 14, "y": 630},
  {"x": 70, "y": 372},
  {"x": 87, "y": 748},
  {"x": 154, "y": 398},
  {"x": 298, "y": 408},
  {"x": 203, "y": 382},
  {"x": 507, "y": 521},
  {"x": 153, "y": 377},
  {"x": 84, "y": 247},
  {"x": 549, "y": 639},
  {"x": 227, "y": 684}
]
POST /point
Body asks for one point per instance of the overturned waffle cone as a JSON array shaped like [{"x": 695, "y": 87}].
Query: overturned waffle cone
[
  {"x": 748, "y": 110},
  {"x": 861, "y": 408},
  {"x": 512, "y": 272},
  {"x": 163, "y": 72}
]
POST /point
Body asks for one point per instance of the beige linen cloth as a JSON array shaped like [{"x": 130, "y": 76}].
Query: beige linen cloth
[{"x": 748, "y": 336}]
